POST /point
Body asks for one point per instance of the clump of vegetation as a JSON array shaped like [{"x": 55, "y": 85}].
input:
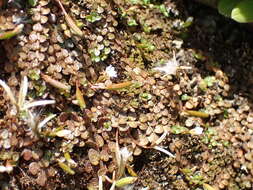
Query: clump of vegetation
[{"x": 139, "y": 103}]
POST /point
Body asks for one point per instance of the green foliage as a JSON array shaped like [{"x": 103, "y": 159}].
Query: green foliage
[
  {"x": 209, "y": 81},
  {"x": 238, "y": 10},
  {"x": 131, "y": 22},
  {"x": 194, "y": 177},
  {"x": 177, "y": 129},
  {"x": 225, "y": 7},
  {"x": 185, "y": 97},
  {"x": 146, "y": 45},
  {"x": 93, "y": 17},
  {"x": 163, "y": 10},
  {"x": 9, "y": 34},
  {"x": 145, "y": 96},
  {"x": 210, "y": 138},
  {"x": 243, "y": 11},
  {"x": 32, "y": 2},
  {"x": 34, "y": 74},
  {"x": 99, "y": 53}
]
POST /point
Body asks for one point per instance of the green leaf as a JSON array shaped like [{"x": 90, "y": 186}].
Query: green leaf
[
  {"x": 177, "y": 129},
  {"x": 132, "y": 22},
  {"x": 243, "y": 12},
  {"x": 32, "y": 2},
  {"x": 11, "y": 33},
  {"x": 163, "y": 10},
  {"x": 225, "y": 7},
  {"x": 185, "y": 97},
  {"x": 93, "y": 17},
  {"x": 209, "y": 80}
]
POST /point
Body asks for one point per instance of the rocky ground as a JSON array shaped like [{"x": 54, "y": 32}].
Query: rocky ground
[{"x": 114, "y": 94}]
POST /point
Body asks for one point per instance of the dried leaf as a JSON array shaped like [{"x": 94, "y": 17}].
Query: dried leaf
[
  {"x": 55, "y": 83},
  {"x": 197, "y": 113},
  {"x": 113, "y": 186},
  {"x": 94, "y": 157},
  {"x": 119, "y": 85},
  {"x": 79, "y": 97}
]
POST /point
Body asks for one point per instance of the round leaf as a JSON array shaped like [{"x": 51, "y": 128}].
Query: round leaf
[
  {"x": 225, "y": 7},
  {"x": 243, "y": 12}
]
